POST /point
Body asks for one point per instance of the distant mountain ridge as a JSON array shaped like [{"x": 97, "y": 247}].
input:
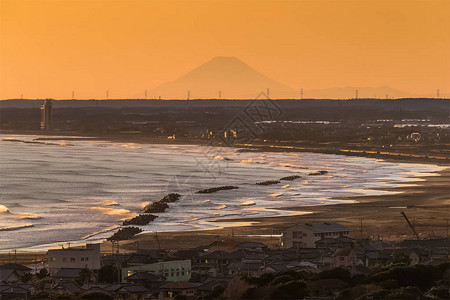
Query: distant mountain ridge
[
  {"x": 234, "y": 78},
  {"x": 237, "y": 80}
]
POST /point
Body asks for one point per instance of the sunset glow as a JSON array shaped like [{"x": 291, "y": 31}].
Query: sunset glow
[{"x": 51, "y": 48}]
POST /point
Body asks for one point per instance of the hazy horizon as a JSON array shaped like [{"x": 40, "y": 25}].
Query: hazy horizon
[
  {"x": 128, "y": 47},
  {"x": 231, "y": 78}
]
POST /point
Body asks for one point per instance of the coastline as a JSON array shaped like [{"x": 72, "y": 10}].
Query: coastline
[
  {"x": 413, "y": 154},
  {"x": 426, "y": 203}
]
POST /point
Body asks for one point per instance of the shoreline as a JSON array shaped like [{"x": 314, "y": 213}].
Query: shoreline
[
  {"x": 266, "y": 229},
  {"x": 380, "y": 214},
  {"x": 426, "y": 203},
  {"x": 355, "y": 150}
]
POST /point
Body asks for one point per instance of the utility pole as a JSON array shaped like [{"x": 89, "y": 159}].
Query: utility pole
[
  {"x": 437, "y": 93},
  {"x": 145, "y": 94},
  {"x": 73, "y": 95},
  {"x": 356, "y": 94},
  {"x": 301, "y": 93},
  {"x": 107, "y": 94},
  {"x": 220, "y": 94},
  {"x": 188, "y": 95},
  {"x": 268, "y": 93}
]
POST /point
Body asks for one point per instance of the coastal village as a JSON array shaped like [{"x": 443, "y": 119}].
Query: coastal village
[{"x": 317, "y": 260}]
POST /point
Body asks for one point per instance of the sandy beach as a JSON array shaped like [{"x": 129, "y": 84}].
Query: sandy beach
[{"x": 426, "y": 203}]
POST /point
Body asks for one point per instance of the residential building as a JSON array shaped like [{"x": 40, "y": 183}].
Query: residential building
[
  {"x": 345, "y": 258},
  {"x": 74, "y": 258},
  {"x": 306, "y": 235},
  {"x": 20, "y": 269},
  {"x": 174, "y": 270},
  {"x": 9, "y": 276},
  {"x": 178, "y": 288}
]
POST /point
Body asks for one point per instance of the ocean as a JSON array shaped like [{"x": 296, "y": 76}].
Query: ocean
[{"x": 54, "y": 191}]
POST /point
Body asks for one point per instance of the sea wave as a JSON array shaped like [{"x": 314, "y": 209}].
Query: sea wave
[
  {"x": 28, "y": 217},
  {"x": 130, "y": 146},
  {"x": 3, "y": 209},
  {"x": 109, "y": 203},
  {"x": 99, "y": 232},
  {"x": 291, "y": 166},
  {"x": 276, "y": 195},
  {"x": 144, "y": 204},
  {"x": 18, "y": 227},
  {"x": 112, "y": 211},
  {"x": 248, "y": 203}
]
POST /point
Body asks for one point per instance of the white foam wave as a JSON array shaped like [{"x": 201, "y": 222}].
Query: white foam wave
[
  {"x": 27, "y": 217},
  {"x": 109, "y": 203},
  {"x": 144, "y": 204},
  {"x": 276, "y": 195},
  {"x": 291, "y": 166},
  {"x": 248, "y": 203},
  {"x": 112, "y": 211},
  {"x": 3, "y": 209},
  {"x": 130, "y": 146},
  {"x": 99, "y": 232},
  {"x": 18, "y": 227}
]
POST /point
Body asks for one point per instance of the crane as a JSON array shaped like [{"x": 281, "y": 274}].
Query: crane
[{"x": 416, "y": 235}]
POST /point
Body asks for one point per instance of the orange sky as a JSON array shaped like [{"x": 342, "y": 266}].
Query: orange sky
[{"x": 49, "y": 48}]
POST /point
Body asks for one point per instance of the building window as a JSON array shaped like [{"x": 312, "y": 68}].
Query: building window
[
  {"x": 64, "y": 259},
  {"x": 86, "y": 258},
  {"x": 297, "y": 234},
  {"x": 82, "y": 259},
  {"x": 305, "y": 234},
  {"x": 53, "y": 259},
  {"x": 342, "y": 258},
  {"x": 72, "y": 259}
]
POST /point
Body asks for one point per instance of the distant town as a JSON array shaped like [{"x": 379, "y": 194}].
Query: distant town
[{"x": 409, "y": 129}]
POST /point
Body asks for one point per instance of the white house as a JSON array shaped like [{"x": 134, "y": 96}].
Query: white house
[
  {"x": 306, "y": 235},
  {"x": 74, "y": 258}
]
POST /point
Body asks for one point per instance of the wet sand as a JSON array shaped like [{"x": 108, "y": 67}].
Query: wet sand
[{"x": 427, "y": 205}]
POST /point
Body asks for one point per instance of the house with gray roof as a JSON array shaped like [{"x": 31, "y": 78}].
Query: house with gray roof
[{"x": 306, "y": 235}]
